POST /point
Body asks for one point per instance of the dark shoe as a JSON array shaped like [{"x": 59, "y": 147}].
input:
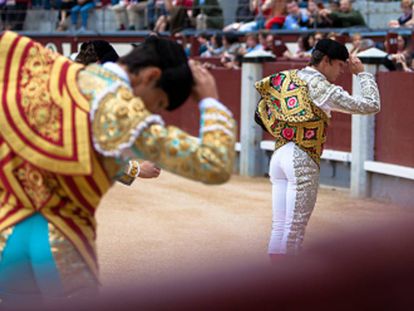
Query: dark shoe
[
  {"x": 131, "y": 28},
  {"x": 121, "y": 27}
]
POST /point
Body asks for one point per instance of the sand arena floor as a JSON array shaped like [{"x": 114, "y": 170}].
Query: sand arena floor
[{"x": 167, "y": 227}]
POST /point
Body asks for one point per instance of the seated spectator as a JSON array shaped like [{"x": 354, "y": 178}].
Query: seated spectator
[
  {"x": 252, "y": 44},
  {"x": 243, "y": 12},
  {"x": 360, "y": 44},
  {"x": 332, "y": 35},
  {"x": 402, "y": 57},
  {"x": 269, "y": 14},
  {"x": 318, "y": 36},
  {"x": 176, "y": 18},
  {"x": 345, "y": 17},
  {"x": 96, "y": 51},
  {"x": 334, "y": 5},
  {"x": 231, "y": 46},
  {"x": 259, "y": 12},
  {"x": 130, "y": 14},
  {"x": 277, "y": 18},
  {"x": 83, "y": 7},
  {"x": 266, "y": 40},
  {"x": 214, "y": 46},
  {"x": 203, "y": 39},
  {"x": 207, "y": 14},
  {"x": 13, "y": 14},
  {"x": 305, "y": 48},
  {"x": 181, "y": 39},
  {"x": 316, "y": 20},
  {"x": 180, "y": 11},
  {"x": 297, "y": 18},
  {"x": 64, "y": 13},
  {"x": 407, "y": 10},
  {"x": 155, "y": 9}
]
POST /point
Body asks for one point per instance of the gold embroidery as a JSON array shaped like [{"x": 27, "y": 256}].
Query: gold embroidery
[
  {"x": 43, "y": 115},
  {"x": 4, "y": 235},
  {"x": 37, "y": 184},
  {"x": 305, "y": 124},
  {"x": 209, "y": 160},
  {"x": 74, "y": 272},
  {"x": 116, "y": 118}
]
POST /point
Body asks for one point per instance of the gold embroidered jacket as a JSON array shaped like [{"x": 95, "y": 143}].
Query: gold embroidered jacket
[
  {"x": 67, "y": 131},
  {"x": 287, "y": 112}
]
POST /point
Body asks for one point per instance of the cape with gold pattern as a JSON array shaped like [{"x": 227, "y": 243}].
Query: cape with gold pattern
[{"x": 43, "y": 115}]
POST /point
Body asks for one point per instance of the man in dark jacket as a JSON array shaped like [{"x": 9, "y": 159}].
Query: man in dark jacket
[{"x": 345, "y": 17}]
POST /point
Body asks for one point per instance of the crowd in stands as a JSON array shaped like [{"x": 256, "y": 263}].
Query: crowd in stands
[
  {"x": 255, "y": 20},
  {"x": 176, "y": 15}
]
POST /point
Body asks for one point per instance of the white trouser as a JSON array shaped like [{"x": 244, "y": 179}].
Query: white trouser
[
  {"x": 137, "y": 14},
  {"x": 295, "y": 180},
  {"x": 120, "y": 14},
  {"x": 132, "y": 15}
]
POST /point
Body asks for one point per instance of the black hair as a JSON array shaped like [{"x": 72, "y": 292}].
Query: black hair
[
  {"x": 176, "y": 77},
  {"x": 96, "y": 50},
  {"x": 231, "y": 37},
  {"x": 87, "y": 54},
  {"x": 219, "y": 40},
  {"x": 305, "y": 41},
  {"x": 105, "y": 51},
  {"x": 316, "y": 58}
]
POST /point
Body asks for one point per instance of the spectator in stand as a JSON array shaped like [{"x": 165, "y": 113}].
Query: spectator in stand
[
  {"x": 214, "y": 46},
  {"x": 269, "y": 14},
  {"x": 297, "y": 18},
  {"x": 334, "y": 5},
  {"x": 181, "y": 39},
  {"x": 244, "y": 14},
  {"x": 406, "y": 19},
  {"x": 318, "y": 36},
  {"x": 305, "y": 48},
  {"x": 207, "y": 14},
  {"x": 259, "y": 12},
  {"x": 231, "y": 46},
  {"x": 83, "y": 7},
  {"x": 278, "y": 14},
  {"x": 403, "y": 56},
  {"x": 345, "y": 17},
  {"x": 155, "y": 9},
  {"x": 252, "y": 44},
  {"x": 356, "y": 40},
  {"x": 231, "y": 43},
  {"x": 316, "y": 20},
  {"x": 13, "y": 14},
  {"x": 131, "y": 14},
  {"x": 65, "y": 7},
  {"x": 203, "y": 39},
  {"x": 176, "y": 18},
  {"x": 266, "y": 40}
]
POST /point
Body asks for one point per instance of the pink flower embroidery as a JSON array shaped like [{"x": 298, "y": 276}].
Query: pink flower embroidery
[
  {"x": 292, "y": 102},
  {"x": 292, "y": 86},
  {"x": 288, "y": 133},
  {"x": 309, "y": 134}
]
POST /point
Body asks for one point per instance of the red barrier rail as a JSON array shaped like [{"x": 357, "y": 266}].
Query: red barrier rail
[{"x": 394, "y": 130}]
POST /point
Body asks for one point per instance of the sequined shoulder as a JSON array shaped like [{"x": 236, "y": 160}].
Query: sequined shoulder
[{"x": 117, "y": 120}]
